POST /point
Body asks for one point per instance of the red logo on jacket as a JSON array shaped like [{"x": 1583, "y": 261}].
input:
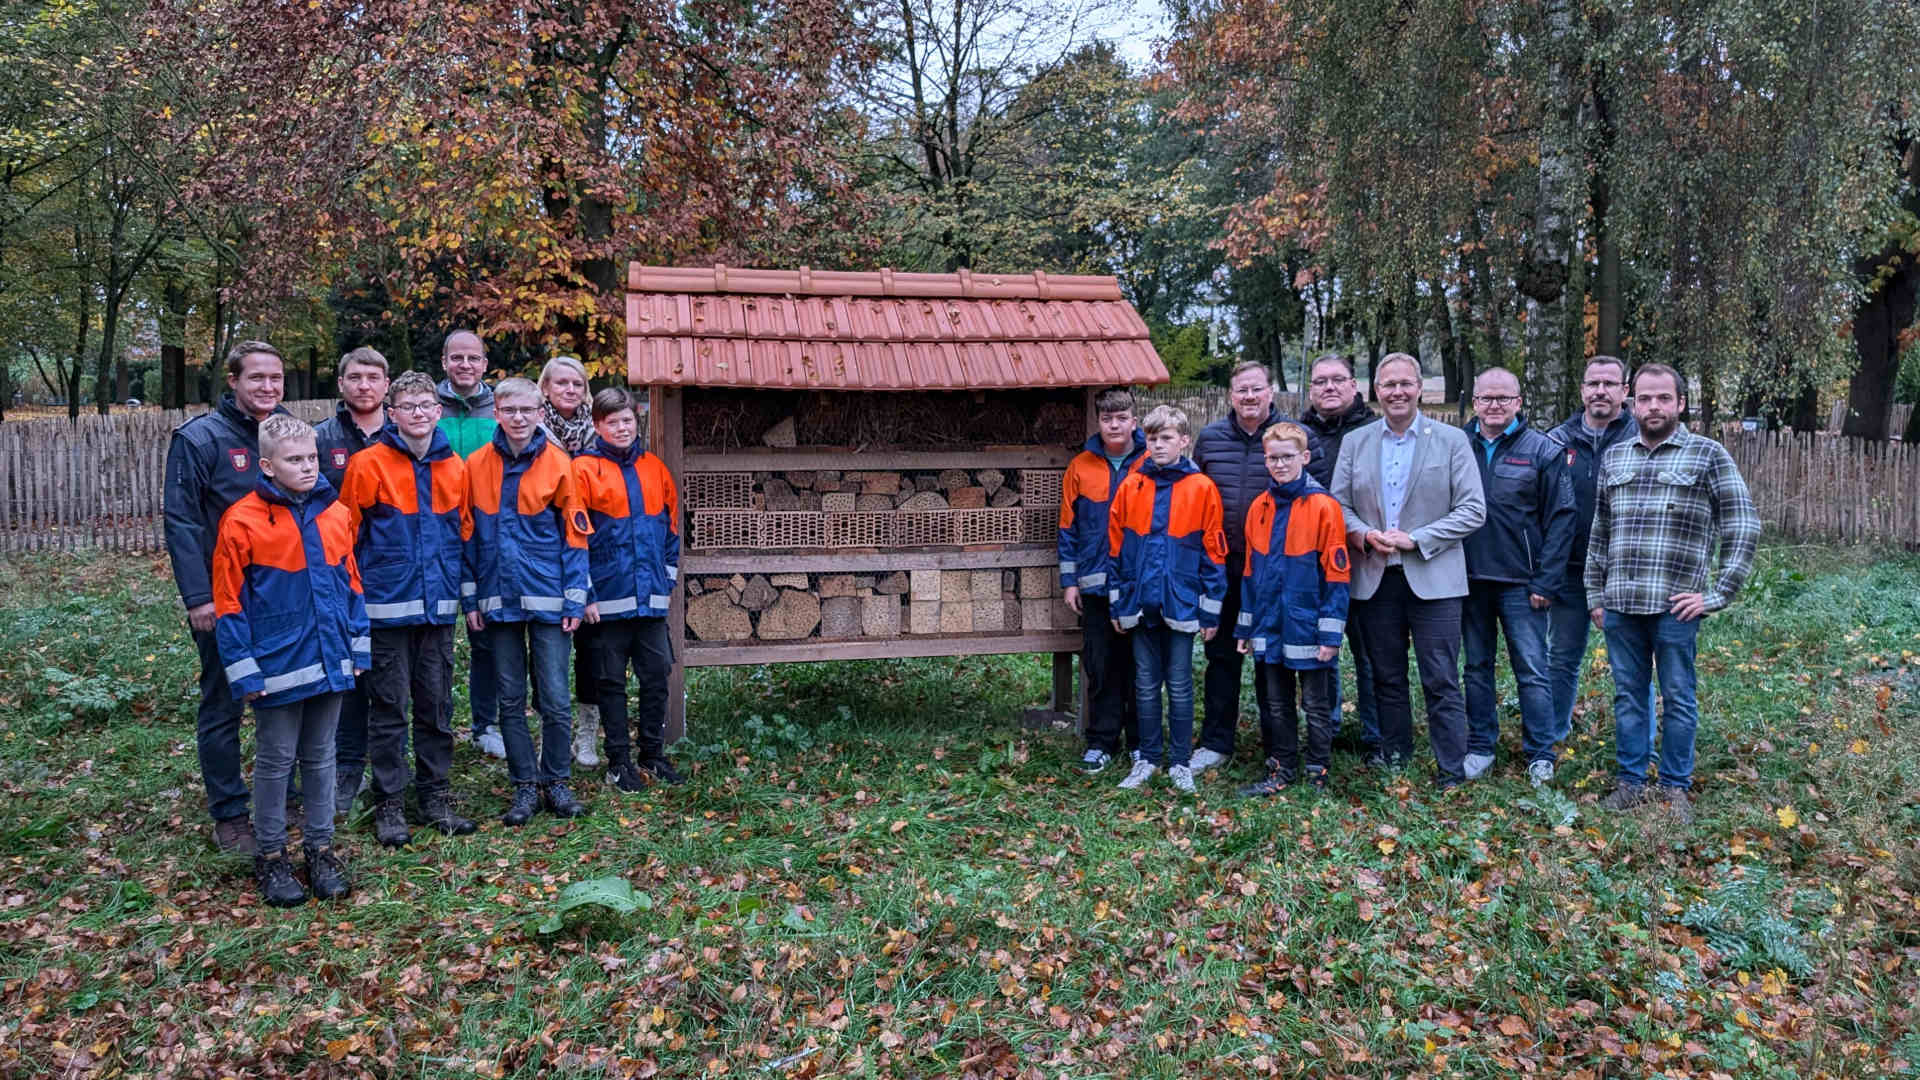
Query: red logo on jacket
[
  {"x": 339, "y": 457},
  {"x": 238, "y": 456}
]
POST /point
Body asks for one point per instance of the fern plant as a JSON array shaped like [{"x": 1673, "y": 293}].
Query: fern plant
[{"x": 1744, "y": 926}]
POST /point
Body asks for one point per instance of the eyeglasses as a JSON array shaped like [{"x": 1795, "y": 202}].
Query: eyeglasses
[
  {"x": 416, "y": 407},
  {"x": 1282, "y": 458},
  {"x": 1496, "y": 399},
  {"x": 1332, "y": 380},
  {"x": 515, "y": 410},
  {"x": 1407, "y": 384}
]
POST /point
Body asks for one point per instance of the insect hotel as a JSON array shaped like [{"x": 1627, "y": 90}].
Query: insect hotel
[{"x": 870, "y": 463}]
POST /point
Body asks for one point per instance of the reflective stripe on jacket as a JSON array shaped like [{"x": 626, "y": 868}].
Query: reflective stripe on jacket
[
  {"x": 1167, "y": 548},
  {"x": 1293, "y": 592},
  {"x": 1086, "y": 492},
  {"x": 410, "y": 523},
  {"x": 634, "y": 509},
  {"x": 527, "y": 558},
  {"x": 289, "y": 618}
]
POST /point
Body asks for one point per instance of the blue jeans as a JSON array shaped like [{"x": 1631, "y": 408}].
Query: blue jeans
[
  {"x": 1639, "y": 647},
  {"x": 1496, "y": 607},
  {"x": 217, "y": 735},
  {"x": 303, "y": 730},
  {"x": 511, "y": 643},
  {"x": 483, "y": 685},
  {"x": 1162, "y": 656},
  {"x": 1567, "y": 626}
]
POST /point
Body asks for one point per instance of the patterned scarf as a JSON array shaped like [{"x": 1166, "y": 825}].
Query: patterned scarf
[{"x": 573, "y": 435}]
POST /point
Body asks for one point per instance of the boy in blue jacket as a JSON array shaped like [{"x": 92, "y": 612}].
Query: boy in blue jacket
[
  {"x": 1293, "y": 608},
  {"x": 1166, "y": 579},
  {"x": 634, "y": 559},
  {"x": 292, "y": 631},
  {"x": 526, "y": 588}
]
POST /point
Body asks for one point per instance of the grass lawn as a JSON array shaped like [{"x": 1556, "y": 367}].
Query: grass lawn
[{"x": 875, "y": 872}]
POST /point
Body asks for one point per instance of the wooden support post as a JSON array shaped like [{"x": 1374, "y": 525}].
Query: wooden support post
[
  {"x": 1062, "y": 698},
  {"x": 666, "y": 439}
]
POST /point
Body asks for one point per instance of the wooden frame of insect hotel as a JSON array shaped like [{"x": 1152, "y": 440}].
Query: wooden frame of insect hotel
[{"x": 870, "y": 463}]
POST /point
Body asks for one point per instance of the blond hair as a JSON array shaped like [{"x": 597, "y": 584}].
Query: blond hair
[
  {"x": 1285, "y": 432},
  {"x": 516, "y": 387},
  {"x": 282, "y": 428},
  {"x": 1166, "y": 416}
]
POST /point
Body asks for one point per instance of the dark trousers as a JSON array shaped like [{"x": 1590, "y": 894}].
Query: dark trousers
[
  {"x": 483, "y": 684},
  {"x": 543, "y": 646},
  {"x": 1391, "y": 618},
  {"x": 644, "y": 645},
  {"x": 350, "y": 741},
  {"x": 1280, "y": 724},
  {"x": 412, "y": 665},
  {"x": 1221, "y": 691},
  {"x": 217, "y": 735},
  {"x": 1106, "y": 662}
]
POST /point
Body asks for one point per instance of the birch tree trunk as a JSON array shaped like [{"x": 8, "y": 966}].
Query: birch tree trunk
[{"x": 1543, "y": 279}]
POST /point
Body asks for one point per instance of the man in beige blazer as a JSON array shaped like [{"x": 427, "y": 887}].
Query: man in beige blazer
[{"x": 1412, "y": 494}]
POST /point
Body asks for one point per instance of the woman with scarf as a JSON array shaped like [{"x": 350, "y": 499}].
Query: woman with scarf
[{"x": 568, "y": 421}]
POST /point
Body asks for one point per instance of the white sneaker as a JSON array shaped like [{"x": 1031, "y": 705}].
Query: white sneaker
[
  {"x": 1476, "y": 765},
  {"x": 491, "y": 744},
  {"x": 1142, "y": 772},
  {"x": 1204, "y": 759},
  {"x": 1541, "y": 773},
  {"x": 586, "y": 736},
  {"x": 1094, "y": 760},
  {"x": 1182, "y": 777}
]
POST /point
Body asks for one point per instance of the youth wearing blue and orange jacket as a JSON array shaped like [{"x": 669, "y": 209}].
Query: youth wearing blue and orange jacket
[
  {"x": 289, "y": 615},
  {"x": 411, "y": 523},
  {"x": 1166, "y": 548},
  {"x": 1293, "y": 593},
  {"x": 526, "y": 559},
  {"x": 1086, "y": 494}
]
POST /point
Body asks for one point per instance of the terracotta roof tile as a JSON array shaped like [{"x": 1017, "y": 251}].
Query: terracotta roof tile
[{"x": 723, "y": 326}]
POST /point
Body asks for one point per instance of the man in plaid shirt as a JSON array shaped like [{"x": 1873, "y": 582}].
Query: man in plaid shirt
[{"x": 1662, "y": 500}]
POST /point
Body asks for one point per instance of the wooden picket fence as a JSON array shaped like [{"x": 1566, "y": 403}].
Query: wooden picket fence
[{"x": 1814, "y": 486}]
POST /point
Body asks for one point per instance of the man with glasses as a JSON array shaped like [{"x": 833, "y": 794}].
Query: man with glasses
[
  {"x": 466, "y": 418},
  {"x": 1586, "y": 437},
  {"x": 1515, "y": 563},
  {"x": 1411, "y": 494},
  {"x": 1335, "y": 409},
  {"x": 1230, "y": 453}
]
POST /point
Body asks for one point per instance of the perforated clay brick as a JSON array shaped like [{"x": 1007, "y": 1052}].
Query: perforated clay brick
[
  {"x": 1040, "y": 488},
  {"x": 726, "y": 528},
  {"x": 793, "y": 529},
  {"x": 988, "y": 526},
  {"x": 873, "y": 528},
  {"x": 719, "y": 491}
]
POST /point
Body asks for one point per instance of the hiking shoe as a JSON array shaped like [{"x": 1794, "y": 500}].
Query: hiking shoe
[
  {"x": 1278, "y": 779},
  {"x": 1204, "y": 759},
  {"x": 1476, "y": 765},
  {"x": 586, "y": 736},
  {"x": 1540, "y": 773},
  {"x": 526, "y": 802},
  {"x": 326, "y": 873},
  {"x": 1678, "y": 804},
  {"x": 234, "y": 836},
  {"x": 623, "y": 775},
  {"x": 1317, "y": 777},
  {"x": 345, "y": 790},
  {"x": 274, "y": 874},
  {"x": 1625, "y": 796},
  {"x": 663, "y": 771},
  {"x": 437, "y": 808},
  {"x": 1094, "y": 760},
  {"x": 1182, "y": 777},
  {"x": 1142, "y": 772},
  {"x": 558, "y": 800},
  {"x": 390, "y": 823},
  {"x": 490, "y": 743}
]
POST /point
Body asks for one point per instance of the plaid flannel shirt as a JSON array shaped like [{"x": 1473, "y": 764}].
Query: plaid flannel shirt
[{"x": 1656, "y": 515}]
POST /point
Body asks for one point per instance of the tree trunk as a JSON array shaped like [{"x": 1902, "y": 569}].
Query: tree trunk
[
  {"x": 173, "y": 344},
  {"x": 1543, "y": 277},
  {"x": 1606, "y": 279},
  {"x": 1883, "y": 314}
]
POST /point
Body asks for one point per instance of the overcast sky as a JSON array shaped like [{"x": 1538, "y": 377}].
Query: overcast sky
[{"x": 1135, "y": 35}]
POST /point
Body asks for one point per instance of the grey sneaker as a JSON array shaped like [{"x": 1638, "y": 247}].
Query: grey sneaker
[
  {"x": 1678, "y": 805},
  {"x": 586, "y": 736},
  {"x": 1625, "y": 796},
  {"x": 1094, "y": 760},
  {"x": 1204, "y": 759},
  {"x": 1141, "y": 773},
  {"x": 1182, "y": 777},
  {"x": 1540, "y": 773},
  {"x": 1476, "y": 765},
  {"x": 491, "y": 744}
]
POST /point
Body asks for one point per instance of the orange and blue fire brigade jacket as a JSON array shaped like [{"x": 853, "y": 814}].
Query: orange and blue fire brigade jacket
[
  {"x": 634, "y": 552},
  {"x": 289, "y": 618},
  {"x": 1086, "y": 491},
  {"x": 1167, "y": 549},
  {"x": 1293, "y": 593},
  {"x": 527, "y": 557},
  {"x": 410, "y": 527}
]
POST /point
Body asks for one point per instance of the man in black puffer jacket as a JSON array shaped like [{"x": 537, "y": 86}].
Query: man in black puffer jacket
[
  {"x": 1335, "y": 407},
  {"x": 1230, "y": 453}
]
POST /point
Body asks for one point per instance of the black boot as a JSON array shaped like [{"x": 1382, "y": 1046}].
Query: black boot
[
  {"x": 526, "y": 802},
  {"x": 390, "y": 822},
  {"x": 663, "y": 770},
  {"x": 274, "y": 874},
  {"x": 1279, "y": 778},
  {"x": 560, "y": 802},
  {"x": 326, "y": 873},
  {"x": 345, "y": 789},
  {"x": 437, "y": 808},
  {"x": 622, "y": 774}
]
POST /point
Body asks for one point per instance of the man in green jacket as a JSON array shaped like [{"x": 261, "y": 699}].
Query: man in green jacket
[{"x": 466, "y": 415}]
